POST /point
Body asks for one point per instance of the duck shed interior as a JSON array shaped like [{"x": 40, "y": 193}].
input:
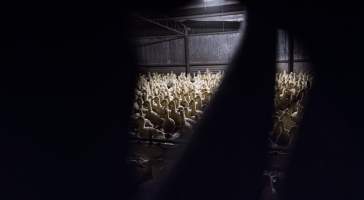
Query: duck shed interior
[
  {"x": 182, "y": 100},
  {"x": 182, "y": 59}
]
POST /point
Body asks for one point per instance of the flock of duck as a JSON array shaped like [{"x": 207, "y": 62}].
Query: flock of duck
[
  {"x": 167, "y": 106},
  {"x": 290, "y": 94}
]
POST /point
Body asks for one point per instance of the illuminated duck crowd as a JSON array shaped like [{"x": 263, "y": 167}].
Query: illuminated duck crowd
[{"x": 168, "y": 106}]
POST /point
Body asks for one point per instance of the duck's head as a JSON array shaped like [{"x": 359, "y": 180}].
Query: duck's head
[
  {"x": 147, "y": 104},
  {"x": 139, "y": 101},
  {"x": 192, "y": 103},
  {"x": 164, "y": 102},
  {"x": 172, "y": 105},
  {"x": 156, "y": 99},
  {"x": 181, "y": 112},
  {"x": 184, "y": 103}
]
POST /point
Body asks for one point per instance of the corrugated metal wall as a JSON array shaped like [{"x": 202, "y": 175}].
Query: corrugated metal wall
[
  {"x": 302, "y": 63},
  {"x": 282, "y": 51},
  {"x": 218, "y": 48},
  {"x": 301, "y": 59},
  {"x": 213, "y": 51},
  {"x": 161, "y": 51},
  {"x": 282, "y": 47}
]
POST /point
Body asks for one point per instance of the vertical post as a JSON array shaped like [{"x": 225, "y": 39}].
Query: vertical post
[
  {"x": 187, "y": 51},
  {"x": 290, "y": 52}
]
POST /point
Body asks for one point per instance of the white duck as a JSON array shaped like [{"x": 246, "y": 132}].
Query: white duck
[{"x": 148, "y": 132}]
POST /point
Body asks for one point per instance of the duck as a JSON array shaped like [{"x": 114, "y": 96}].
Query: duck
[
  {"x": 174, "y": 115},
  {"x": 148, "y": 123},
  {"x": 198, "y": 102},
  {"x": 168, "y": 125},
  {"x": 153, "y": 116},
  {"x": 187, "y": 112},
  {"x": 186, "y": 127},
  {"x": 184, "y": 102},
  {"x": 194, "y": 111},
  {"x": 157, "y": 107},
  {"x": 164, "y": 102},
  {"x": 148, "y": 132},
  {"x": 138, "y": 104}
]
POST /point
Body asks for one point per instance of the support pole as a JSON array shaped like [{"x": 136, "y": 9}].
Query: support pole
[
  {"x": 187, "y": 50},
  {"x": 290, "y": 52}
]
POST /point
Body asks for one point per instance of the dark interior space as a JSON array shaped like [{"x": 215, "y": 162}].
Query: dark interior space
[{"x": 265, "y": 98}]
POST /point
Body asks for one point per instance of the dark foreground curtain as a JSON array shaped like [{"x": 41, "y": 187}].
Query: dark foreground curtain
[{"x": 226, "y": 156}]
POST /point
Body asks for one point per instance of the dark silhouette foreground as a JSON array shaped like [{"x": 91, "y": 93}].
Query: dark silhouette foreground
[{"x": 67, "y": 77}]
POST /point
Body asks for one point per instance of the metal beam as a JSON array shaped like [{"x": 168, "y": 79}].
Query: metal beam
[
  {"x": 210, "y": 64},
  {"x": 160, "y": 41},
  {"x": 161, "y": 65},
  {"x": 194, "y": 34},
  {"x": 215, "y": 33},
  {"x": 295, "y": 60},
  {"x": 161, "y": 25},
  {"x": 198, "y": 16}
]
